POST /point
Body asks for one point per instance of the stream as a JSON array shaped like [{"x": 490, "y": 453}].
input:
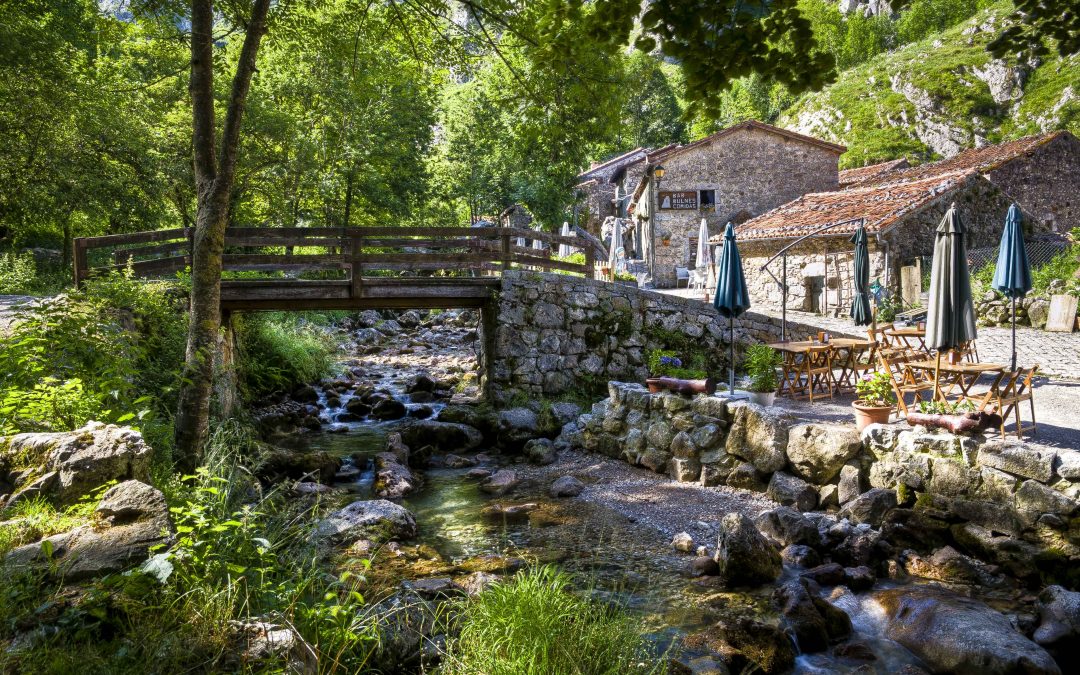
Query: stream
[{"x": 607, "y": 554}]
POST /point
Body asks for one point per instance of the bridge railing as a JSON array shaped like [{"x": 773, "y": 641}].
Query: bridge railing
[{"x": 353, "y": 254}]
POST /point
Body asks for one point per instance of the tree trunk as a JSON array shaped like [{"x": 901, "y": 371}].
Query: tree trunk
[{"x": 214, "y": 176}]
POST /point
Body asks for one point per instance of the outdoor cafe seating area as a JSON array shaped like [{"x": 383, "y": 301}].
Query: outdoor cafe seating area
[{"x": 821, "y": 367}]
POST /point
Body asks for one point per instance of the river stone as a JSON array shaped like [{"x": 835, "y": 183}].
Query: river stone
[
  {"x": 946, "y": 564},
  {"x": 800, "y": 555},
  {"x": 788, "y": 490},
  {"x": 442, "y": 436},
  {"x": 744, "y": 555},
  {"x": 816, "y": 452},
  {"x": 566, "y": 486},
  {"x": 69, "y": 465},
  {"x": 408, "y": 628},
  {"x": 758, "y": 435},
  {"x": 540, "y": 451},
  {"x": 683, "y": 542},
  {"x": 388, "y": 409},
  {"x": 814, "y": 620},
  {"x": 870, "y": 507},
  {"x": 787, "y": 526},
  {"x": 954, "y": 634},
  {"x": 1018, "y": 459},
  {"x": 393, "y": 480},
  {"x": 131, "y": 518},
  {"x": 500, "y": 482},
  {"x": 1059, "y": 622},
  {"x": 829, "y": 574},
  {"x": 748, "y": 645},
  {"x": 377, "y": 519},
  {"x": 516, "y": 426}
]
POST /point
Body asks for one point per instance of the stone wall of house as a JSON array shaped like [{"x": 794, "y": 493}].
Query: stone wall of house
[
  {"x": 552, "y": 334},
  {"x": 752, "y": 171},
  {"x": 1002, "y": 501},
  {"x": 1046, "y": 183}
]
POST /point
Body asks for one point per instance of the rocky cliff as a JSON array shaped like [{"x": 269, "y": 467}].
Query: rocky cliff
[{"x": 939, "y": 96}]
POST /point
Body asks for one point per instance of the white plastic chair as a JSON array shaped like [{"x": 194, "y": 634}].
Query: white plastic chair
[{"x": 682, "y": 274}]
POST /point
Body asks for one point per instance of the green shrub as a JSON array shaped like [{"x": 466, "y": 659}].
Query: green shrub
[
  {"x": 665, "y": 363},
  {"x": 761, "y": 363},
  {"x": 533, "y": 625},
  {"x": 18, "y": 273},
  {"x": 278, "y": 351}
]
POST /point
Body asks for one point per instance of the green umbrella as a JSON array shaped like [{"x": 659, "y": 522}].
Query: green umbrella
[
  {"x": 1012, "y": 276},
  {"x": 950, "y": 319},
  {"x": 860, "y": 304},
  {"x": 732, "y": 298}
]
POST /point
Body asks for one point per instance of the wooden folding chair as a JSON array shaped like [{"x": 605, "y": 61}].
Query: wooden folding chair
[
  {"x": 816, "y": 371},
  {"x": 1006, "y": 394},
  {"x": 905, "y": 381},
  {"x": 859, "y": 361}
]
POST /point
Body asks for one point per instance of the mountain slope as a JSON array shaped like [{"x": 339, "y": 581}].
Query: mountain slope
[{"x": 936, "y": 97}]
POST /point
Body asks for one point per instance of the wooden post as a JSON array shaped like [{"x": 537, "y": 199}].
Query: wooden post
[
  {"x": 79, "y": 260},
  {"x": 356, "y": 271},
  {"x": 590, "y": 264},
  {"x": 505, "y": 237}
]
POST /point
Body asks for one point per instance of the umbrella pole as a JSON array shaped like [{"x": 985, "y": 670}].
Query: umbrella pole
[
  {"x": 731, "y": 355},
  {"x": 1013, "y": 369}
]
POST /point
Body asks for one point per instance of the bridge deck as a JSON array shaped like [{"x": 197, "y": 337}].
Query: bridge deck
[{"x": 346, "y": 268}]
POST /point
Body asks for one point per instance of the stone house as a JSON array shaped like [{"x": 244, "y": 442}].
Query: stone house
[
  {"x": 603, "y": 188},
  {"x": 901, "y": 207},
  {"x": 732, "y": 175}
]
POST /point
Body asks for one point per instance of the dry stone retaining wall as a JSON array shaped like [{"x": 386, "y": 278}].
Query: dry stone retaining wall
[{"x": 1004, "y": 501}]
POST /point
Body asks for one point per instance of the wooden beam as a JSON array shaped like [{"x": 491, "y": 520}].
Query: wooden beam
[{"x": 135, "y": 238}]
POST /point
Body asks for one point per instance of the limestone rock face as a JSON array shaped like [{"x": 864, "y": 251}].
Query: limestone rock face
[
  {"x": 758, "y": 435},
  {"x": 954, "y": 634},
  {"x": 377, "y": 519},
  {"x": 745, "y": 557},
  {"x": 131, "y": 518},
  {"x": 817, "y": 452},
  {"x": 68, "y": 465}
]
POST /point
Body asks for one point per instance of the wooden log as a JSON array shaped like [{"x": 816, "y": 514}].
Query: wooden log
[
  {"x": 958, "y": 424},
  {"x": 684, "y": 387}
]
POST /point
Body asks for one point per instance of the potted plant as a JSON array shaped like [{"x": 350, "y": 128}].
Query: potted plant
[
  {"x": 875, "y": 401},
  {"x": 669, "y": 374},
  {"x": 761, "y": 364},
  {"x": 625, "y": 278}
]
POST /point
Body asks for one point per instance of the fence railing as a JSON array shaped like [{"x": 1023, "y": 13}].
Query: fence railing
[{"x": 353, "y": 253}]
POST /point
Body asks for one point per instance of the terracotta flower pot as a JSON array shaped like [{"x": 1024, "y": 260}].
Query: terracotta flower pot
[{"x": 865, "y": 415}]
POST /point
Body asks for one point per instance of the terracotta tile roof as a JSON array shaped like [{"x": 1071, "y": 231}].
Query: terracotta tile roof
[
  {"x": 870, "y": 173},
  {"x": 671, "y": 151},
  {"x": 881, "y": 205},
  {"x": 982, "y": 160}
]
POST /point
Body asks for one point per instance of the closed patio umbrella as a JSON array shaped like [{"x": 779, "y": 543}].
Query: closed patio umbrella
[
  {"x": 564, "y": 249},
  {"x": 701, "y": 266},
  {"x": 732, "y": 298},
  {"x": 950, "y": 319},
  {"x": 860, "y": 304},
  {"x": 1012, "y": 276},
  {"x": 613, "y": 247}
]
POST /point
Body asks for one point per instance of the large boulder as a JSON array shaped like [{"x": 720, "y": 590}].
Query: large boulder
[
  {"x": 870, "y": 507},
  {"x": 814, "y": 620},
  {"x": 66, "y": 466},
  {"x": 748, "y": 645},
  {"x": 954, "y": 634},
  {"x": 393, "y": 480},
  {"x": 787, "y": 526},
  {"x": 758, "y": 435},
  {"x": 277, "y": 463},
  {"x": 516, "y": 426},
  {"x": 1059, "y": 622},
  {"x": 817, "y": 452},
  {"x": 388, "y": 409},
  {"x": 442, "y": 436},
  {"x": 131, "y": 518},
  {"x": 376, "y": 519},
  {"x": 745, "y": 557}
]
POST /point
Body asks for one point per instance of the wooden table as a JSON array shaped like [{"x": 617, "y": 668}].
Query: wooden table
[
  {"x": 959, "y": 373},
  {"x": 794, "y": 353},
  {"x": 853, "y": 349},
  {"x": 907, "y": 335}
]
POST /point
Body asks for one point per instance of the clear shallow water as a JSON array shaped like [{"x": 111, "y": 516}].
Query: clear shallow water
[{"x": 609, "y": 556}]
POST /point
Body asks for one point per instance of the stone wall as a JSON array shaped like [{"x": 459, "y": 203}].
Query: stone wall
[
  {"x": 552, "y": 334},
  {"x": 1045, "y": 183},
  {"x": 1002, "y": 501},
  {"x": 751, "y": 170}
]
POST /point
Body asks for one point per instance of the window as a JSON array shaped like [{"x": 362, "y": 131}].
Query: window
[{"x": 707, "y": 199}]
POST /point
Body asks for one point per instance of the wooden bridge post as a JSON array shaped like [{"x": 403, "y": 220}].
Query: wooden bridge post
[
  {"x": 79, "y": 260},
  {"x": 590, "y": 263},
  {"x": 356, "y": 270},
  {"x": 505, "y": 236}
]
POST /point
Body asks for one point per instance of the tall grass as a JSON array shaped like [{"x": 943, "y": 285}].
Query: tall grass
[
  {"x": 279, "y": 351},
  {"x": 534, "y": 625}
]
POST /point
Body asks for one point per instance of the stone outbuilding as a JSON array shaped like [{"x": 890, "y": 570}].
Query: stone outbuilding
[
  {"x": 732, "y": 175},
  {"x": 605, "y": 187},
  {"x": 901, "y": 207}
]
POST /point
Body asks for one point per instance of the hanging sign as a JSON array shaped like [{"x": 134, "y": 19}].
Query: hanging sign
[{"x": 679, "y": 201}]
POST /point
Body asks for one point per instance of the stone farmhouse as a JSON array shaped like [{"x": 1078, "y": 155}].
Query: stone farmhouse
[
  {"x": 778, "y": 186},
  {"x": 901, "y": 207}
]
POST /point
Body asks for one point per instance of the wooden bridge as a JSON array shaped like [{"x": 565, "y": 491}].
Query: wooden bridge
[{"x": 343, "y": 268}]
